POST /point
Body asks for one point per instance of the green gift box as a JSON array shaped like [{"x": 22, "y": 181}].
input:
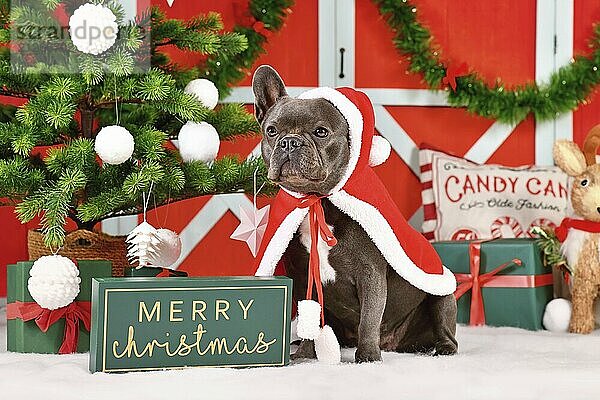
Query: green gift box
[
  {"x": 153, "y": 323},
  {"x": 26, "y": 336},
  {"x": 149, "y": 272},
  {"x": 511, "y": 293}
]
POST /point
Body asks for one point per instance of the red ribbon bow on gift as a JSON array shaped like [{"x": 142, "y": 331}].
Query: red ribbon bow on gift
[
  {"x": 318, "y": 227},
  {"x": 453, "y": 72},
  {"x": 474, "y": 281},
  {"x": 44, "y": 319}
]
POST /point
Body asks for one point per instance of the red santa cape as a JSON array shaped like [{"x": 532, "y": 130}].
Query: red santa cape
[{"x": 363, "y": 197}]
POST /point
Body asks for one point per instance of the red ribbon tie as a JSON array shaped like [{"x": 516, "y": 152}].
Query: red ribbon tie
[
  {"x": 318, "y": 227},
  {"x": 44, "y": 319}
]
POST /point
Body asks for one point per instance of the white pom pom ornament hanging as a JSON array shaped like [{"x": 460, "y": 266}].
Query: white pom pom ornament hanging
[
  {"x": 198, "y": 142},
  {"x": 205, "y": 91},
  {"x": 93, "y": 28},
  {"x": 309, "y": 318},
  {"x": 114, "y": 144},
  {"x": 168, "y": 249},
  {"x": 308, "y": 327},
  {"x": 53, "y": 282},
  {"x": 327, "y": 347}
]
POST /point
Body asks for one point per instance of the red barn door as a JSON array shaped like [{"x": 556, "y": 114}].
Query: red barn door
[{"x": 513, "y": 40}]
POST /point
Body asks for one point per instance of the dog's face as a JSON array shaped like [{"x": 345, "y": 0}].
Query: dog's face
[{"x": 305, "y": 143}]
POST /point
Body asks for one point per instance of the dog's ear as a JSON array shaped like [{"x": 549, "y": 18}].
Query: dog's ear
[{"x": 268, "y": 87}]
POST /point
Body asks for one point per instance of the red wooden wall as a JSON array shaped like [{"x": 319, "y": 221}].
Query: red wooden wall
[{"x": 495, "y": 38}]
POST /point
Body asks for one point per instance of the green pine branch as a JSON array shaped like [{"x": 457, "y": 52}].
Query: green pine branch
[{"x": 66, "y": 110}]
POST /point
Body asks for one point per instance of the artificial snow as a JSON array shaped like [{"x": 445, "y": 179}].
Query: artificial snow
[{"x": 494, "y": 363}]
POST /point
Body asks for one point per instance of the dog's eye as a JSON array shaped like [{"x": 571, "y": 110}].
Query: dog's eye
[
  {"x": 271, "y": 131},
  {"x": 321, "y": 132},
  {"x": 585, "y": 182}
]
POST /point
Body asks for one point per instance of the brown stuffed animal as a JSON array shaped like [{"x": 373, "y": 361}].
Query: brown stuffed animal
[{"x": 580, "y": 236}]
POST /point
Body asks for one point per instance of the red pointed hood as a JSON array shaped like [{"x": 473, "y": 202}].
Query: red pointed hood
[{"x": 362, "y": 196}]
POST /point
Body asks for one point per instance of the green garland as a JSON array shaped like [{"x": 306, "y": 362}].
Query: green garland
[
  {"x": 263, "y": 18},
  {"x": 565, "y": 90}
]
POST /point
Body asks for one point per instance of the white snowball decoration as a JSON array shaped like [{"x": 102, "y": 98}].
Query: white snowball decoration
[
  {"x": 114, "y": 144},
  {"x": 327, "y": 347},
  {"x": 309, "y": 319},
  {"x": 53, "y": 282},
  {"x": 205, "y": 91},
  {"x": 93, "y": 28},
  {"x": 557, "y": 315},
  {"x": 168, "y": 248},
  {"x": 380, "y": 151},
  {"x": 198, "y": 142}
]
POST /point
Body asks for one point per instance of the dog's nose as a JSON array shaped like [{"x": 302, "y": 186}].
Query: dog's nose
[
  {"x": 598, "y": 209},
  {"x": 290, "y": 143}
]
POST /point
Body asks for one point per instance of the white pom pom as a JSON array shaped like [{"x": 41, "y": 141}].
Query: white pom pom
[
  {"x": 93, "y": 28},
  {"x": 327, "y": 347},
  {"x": 309, "y": 319},
  {"x": 198, "y": 142},
  {"x": 557, "y": 315},
  {"x": 53, "y": 282},
  {"x": 167, "y": 250},
  {"x": 380, "y": 151},
  {"x": 205, "y": 91},
  {"x": 114, "y": 144}
]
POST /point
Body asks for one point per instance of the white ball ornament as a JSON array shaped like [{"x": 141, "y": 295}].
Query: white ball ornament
[
  {"x": 198, "y": 142},
  {"x": 93, "y": 28},
  {"x": 114, "y": 144},
  {"x": 53, "y": 282},
  {"x": 557, "y": 315},
  {"x": 205, "y": 91},
  {"x": 168, "y": 248}
]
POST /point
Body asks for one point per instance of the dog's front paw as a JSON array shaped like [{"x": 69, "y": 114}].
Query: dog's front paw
[
  {"x": 367, "y": 354},
  {"x": 447, "y": 348}
]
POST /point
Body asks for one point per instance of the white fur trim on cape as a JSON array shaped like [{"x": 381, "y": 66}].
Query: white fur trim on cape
[
  {"x": 378, "y": 229},
  {"x": 282, "y": 237},
  {"x": 381, "y": 233},
  {"x": 380, "y": 151},
  {"x": 355, "y": 124},
  {"x": 326, "y": 270}
]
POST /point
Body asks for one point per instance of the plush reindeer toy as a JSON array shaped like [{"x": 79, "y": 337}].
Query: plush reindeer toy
[{"x": 580, "y": 236}]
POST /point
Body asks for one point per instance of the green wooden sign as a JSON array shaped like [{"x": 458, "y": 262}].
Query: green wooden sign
[{"x": 157, "y": 323}]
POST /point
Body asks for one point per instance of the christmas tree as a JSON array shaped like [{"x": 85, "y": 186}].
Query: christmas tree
[{"x": 105, "y": 109}]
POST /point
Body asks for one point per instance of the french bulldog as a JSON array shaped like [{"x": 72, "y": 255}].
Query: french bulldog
[{"x": 306, "y": 150}]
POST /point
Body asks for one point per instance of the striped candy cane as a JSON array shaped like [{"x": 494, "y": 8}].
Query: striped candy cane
[
  {"x": 511, "y": 222},
  {"x": 541, "y": 222}
]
